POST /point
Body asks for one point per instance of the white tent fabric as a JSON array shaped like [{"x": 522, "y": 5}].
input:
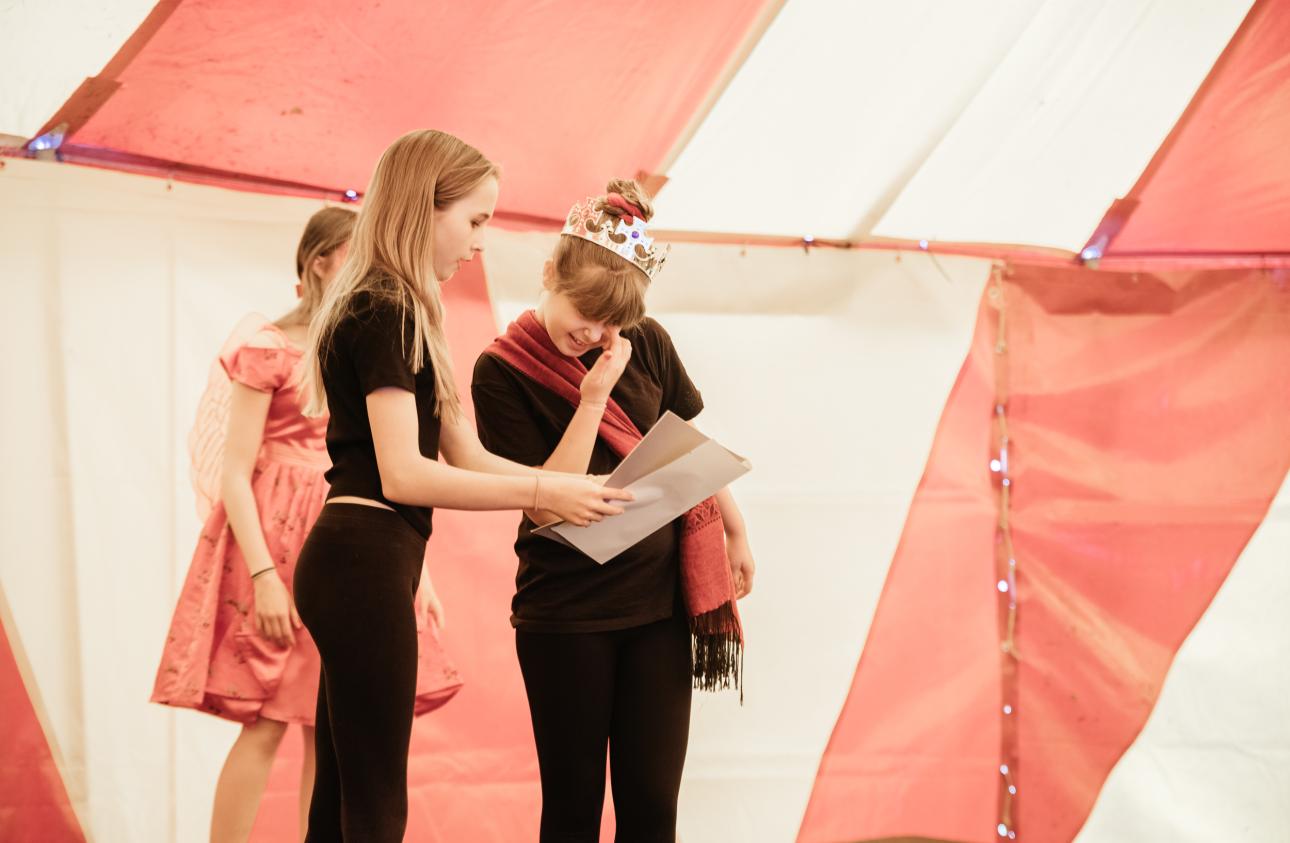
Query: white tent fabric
[
  {"x": 48, "y": 49},
  {"x": 831, "y": 113},
  {"x": 1066, "y": 124},
  {"x": 945, "y": 121},
  {"x": 118, "y": 290}
]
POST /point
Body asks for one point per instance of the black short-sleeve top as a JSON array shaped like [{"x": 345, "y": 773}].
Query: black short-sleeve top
[
  {"x": 558, "y": 589},
  {"x": 370, "y": 348}
]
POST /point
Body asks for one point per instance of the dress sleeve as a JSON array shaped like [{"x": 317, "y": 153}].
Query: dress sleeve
[{"x": 262, "y": 363}]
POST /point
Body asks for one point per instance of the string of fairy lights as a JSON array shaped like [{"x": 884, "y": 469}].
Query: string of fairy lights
[{"x": 1005, "y": 561}]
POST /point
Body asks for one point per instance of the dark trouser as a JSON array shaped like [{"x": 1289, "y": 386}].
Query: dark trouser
[
  {"x": 354, "y": 587},
  {"x": 629, "y": 689}
]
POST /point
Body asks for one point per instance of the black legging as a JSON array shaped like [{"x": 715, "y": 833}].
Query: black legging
[
  {"x": 354, "y": 587},
  {"x": 629, "y": 689}
]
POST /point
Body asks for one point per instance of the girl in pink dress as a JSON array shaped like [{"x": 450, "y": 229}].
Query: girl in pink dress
[{"x": 236, "y": 647}]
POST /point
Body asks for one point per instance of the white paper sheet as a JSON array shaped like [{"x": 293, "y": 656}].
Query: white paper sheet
[{"x": 672, "y": 469}]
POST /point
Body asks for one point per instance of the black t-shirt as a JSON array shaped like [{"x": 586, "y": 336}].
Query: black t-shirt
[
  {"x": 370, "y": 348},
  {"x": 558, "y": 589}
]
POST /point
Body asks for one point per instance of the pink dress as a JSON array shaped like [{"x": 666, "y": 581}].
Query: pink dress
[{"x": 214, "y": 660}]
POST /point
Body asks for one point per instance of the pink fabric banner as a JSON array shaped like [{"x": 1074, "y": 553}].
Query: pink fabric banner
[{"x": 1147, "y": 417}]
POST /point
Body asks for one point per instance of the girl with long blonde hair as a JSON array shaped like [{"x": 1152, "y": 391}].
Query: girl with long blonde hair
[{"x": 378, "y": 362}]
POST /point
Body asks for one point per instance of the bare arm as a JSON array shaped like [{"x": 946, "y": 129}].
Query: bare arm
[
  {"x": 460, "y": 446},
  {"x": 275, "y": 616},
  {"x": 247, "y": 411},
  {"x": 459, "y": 441},
  {"x": 730, "y": 514},
  {"x": 573, "y": 453},
  {"x": 409, "y": 478}
]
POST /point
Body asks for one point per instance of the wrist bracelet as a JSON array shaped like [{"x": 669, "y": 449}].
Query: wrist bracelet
[{"x": 261, "y": 571}]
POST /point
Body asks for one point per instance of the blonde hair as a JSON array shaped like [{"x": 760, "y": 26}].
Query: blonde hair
[
  {"x": 603, "y": 286},
  {"x": 391, "y": 253},
  {"x": 326, "y": 231}
]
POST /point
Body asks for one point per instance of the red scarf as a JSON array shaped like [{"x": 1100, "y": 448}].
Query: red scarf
[{"x": 706, "y": 579}]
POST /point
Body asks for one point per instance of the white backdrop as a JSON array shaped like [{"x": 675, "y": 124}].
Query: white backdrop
[
  {"x": 962, "y": 120},
  {"x": 828, "y": 370},
  {"x": 118, "y": 291}
]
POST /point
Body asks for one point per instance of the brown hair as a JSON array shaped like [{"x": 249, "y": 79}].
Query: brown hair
[
  {"x": 419, "y": 173},
  {"x": 326, "y": 231},
  {"x": 602, "y": 285}
]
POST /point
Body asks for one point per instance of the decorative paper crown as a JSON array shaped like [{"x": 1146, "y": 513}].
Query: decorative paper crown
[{"x": 630, "y": 242}]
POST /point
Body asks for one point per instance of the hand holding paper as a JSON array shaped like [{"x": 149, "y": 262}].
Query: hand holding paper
[{"x": 579, "y": 501}]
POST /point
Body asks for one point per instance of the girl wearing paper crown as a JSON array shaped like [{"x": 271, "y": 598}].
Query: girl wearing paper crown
[
  {"x": 236, "y": 648},
  {"x": 609, "y": 653}
]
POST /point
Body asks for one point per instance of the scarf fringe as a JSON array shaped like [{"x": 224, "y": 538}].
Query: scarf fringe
[{"x": 718, "y": 649}]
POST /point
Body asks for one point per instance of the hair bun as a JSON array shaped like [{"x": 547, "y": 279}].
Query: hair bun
[{"x": 633, "y": 192}]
